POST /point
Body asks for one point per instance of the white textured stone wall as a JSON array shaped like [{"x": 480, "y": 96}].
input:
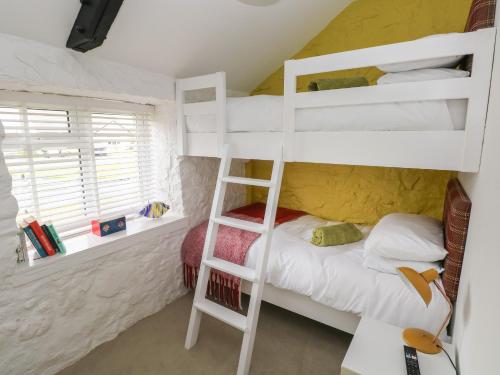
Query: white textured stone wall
[
  {"x": 52, "y": 322},
  {"x": 8, "y": 212},
  {"x": 34, "y": 66},
  {"x": 49, "y": 323}
]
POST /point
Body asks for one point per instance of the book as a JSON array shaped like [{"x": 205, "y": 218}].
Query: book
[
  {"x": 34, "y": 240},
  {"x": 49, "y": 236},
  {"x": 60, "y": 245},
  {"x": 41, "y": 236},
  {"x": 103, "y": 228}
]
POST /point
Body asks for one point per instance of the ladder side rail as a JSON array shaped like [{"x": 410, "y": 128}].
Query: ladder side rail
[
  {"x": 271, "y": 207},
  {"x": 258, "y": 287},
  {"x": 208, "y": 249}
]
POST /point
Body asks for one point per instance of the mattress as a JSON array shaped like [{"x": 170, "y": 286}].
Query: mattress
[
  {"x": 264, "y": 113},
  {"x": 335, "y": 276}
]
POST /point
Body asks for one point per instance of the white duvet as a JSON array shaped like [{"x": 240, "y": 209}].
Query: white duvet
[
  {"x": 264, "y": 113},
  {"x": 335, "y": 276}
]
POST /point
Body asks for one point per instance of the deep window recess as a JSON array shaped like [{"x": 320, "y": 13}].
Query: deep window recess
[{"x": 70, "y": 166}]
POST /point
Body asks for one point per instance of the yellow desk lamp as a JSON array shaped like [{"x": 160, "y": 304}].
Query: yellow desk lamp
[{"x": 421, "y": 340}]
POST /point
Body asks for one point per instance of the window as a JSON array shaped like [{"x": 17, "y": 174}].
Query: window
[{"x": 70, "y": 165}]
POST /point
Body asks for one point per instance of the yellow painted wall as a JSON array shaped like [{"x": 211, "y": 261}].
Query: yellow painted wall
[
  {"x": 364, "y": 194},
  {"x": 368, "y": 23},
  {"x": 354, "y": 194}
]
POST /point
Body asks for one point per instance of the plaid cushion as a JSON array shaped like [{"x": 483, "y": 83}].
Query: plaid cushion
[
  {"x": 456, "y": 215},
  {"x": 481, "y": 16}
]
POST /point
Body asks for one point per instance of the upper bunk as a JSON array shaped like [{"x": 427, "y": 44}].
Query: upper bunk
[{"x": 430, "y": 124}]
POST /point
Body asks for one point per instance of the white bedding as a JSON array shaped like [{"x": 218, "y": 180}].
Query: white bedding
[
  {"x": 265, "y": 113},
  {"x": 335, "y": 276}
]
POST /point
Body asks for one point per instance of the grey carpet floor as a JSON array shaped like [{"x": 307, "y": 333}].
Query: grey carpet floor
[{"x": 286, "y": 343}]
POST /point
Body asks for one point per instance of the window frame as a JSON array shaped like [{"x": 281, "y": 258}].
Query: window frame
[{"x": 74, "y": 106}]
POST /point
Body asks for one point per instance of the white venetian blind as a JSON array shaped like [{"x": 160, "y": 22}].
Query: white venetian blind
[{"x": 70, "y": 165}]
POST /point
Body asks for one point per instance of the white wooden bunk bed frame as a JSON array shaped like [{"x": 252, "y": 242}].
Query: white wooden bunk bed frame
[
  {"x": 458, "y": 150},
  {"x": 305, "y": 306}
]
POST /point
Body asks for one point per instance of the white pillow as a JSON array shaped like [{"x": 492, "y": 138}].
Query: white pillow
[
  {"x": 386, "y": 265},
  {"x": 421, "y": 75},
  {"x": 439, "y": 62},
  {"x": 407, "y": 237}
]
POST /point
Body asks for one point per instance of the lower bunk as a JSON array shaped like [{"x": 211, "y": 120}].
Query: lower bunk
[
  {"x": 337, "y": 285},
  {"x": 305, "y": 306}
]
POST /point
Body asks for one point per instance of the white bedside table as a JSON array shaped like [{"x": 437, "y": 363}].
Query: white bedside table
[{"x": 377, "y": 349}]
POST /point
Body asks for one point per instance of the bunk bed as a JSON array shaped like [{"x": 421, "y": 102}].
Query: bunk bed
[
  {"x": 318, "y": 127},
  {"x": 333, "y": 285},
  {"x": 430, "y": 124},
  {"x": 329, "y": 126}
]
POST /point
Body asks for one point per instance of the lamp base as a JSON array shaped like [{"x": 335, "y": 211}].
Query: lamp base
[{"x": 422, "y": 341}]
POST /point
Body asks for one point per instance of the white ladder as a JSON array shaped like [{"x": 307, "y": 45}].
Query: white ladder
[{"x": 247, "y": 324}]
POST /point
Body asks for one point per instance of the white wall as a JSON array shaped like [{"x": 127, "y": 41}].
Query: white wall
[
  {"x": 185, "y": 38},
  {"x": 51, "y": 322},
  {"x": 33, "y": 66},
  {"x": 476, "y": 328}
]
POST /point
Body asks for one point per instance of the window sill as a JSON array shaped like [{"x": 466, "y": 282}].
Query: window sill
[{"x": 87, "y": 247}]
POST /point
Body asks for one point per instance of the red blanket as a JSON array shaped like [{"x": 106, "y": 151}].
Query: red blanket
[{"x": 232, "y": 244}]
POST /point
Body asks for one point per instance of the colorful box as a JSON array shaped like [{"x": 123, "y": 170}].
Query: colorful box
[{"x": 103, "y": 228}]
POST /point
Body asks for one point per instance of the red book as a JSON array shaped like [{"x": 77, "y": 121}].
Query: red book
[{"x": 42, "y": 237}]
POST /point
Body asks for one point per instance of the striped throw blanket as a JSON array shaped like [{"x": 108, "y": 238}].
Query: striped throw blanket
[{"x": 232, "y": 244}]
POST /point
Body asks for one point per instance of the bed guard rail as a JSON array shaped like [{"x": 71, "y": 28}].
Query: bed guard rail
[{"x": 475, "y": 88}]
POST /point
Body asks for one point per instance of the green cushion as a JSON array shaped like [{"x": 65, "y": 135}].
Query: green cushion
[
  {"x": 337, "y": 83},
  {"x": 333, "y": 235}
]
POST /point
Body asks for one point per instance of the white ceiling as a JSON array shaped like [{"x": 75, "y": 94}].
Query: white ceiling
[{"x": 182, "y": 38}]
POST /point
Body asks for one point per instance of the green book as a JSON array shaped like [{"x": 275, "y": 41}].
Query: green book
[{"x": 53, "y": 233}]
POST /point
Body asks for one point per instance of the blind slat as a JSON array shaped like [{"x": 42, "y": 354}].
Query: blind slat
[
  {"x": 108, "y": 178},
  {"x": 120, "y": 154},
  {"x": 82, "y": 162},
  {"x": 24, "y": 191}
]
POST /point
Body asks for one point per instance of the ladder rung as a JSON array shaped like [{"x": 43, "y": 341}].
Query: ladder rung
[
  {"x": 240, "y": 224},
  {"x": 222, "y": 313},
  {"x": 247, "y": 181},
  {"x": 244, "y": 273}
]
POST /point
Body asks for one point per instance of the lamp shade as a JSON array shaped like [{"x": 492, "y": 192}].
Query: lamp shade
[{"x": 419, "y": 282}]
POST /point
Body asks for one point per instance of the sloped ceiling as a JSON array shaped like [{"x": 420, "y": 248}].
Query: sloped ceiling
[{"x": 182, "y": 38}]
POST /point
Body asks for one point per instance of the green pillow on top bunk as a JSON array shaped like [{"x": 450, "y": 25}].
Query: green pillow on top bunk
[
  {"x": 334, "y": 235},
  {"x": 337, "y": 83}
]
